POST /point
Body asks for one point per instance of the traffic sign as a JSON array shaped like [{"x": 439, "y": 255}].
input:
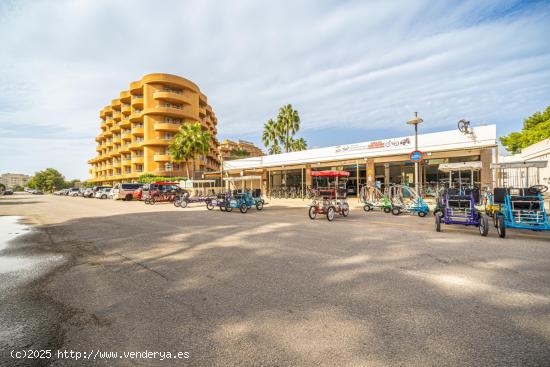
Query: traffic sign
[{"x": 416, "y": 156}]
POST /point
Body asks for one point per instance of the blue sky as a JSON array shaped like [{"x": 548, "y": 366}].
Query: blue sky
[{"x": 355, "y": 70}]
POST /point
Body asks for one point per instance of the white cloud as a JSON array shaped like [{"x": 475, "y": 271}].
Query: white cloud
[{"x": 365, "y": 65}]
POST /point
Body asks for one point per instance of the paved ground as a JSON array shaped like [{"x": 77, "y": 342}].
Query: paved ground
[{"x": 272, "y": 288}]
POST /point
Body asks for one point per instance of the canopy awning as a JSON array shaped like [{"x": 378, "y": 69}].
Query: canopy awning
[
  {"x": 460, "y": 166},
  {"x": 202, "y": 181},
  {"x": 242, "y": 178},
  {"x": 520, "y": 164},
  {"x": 330, "y": 173}
]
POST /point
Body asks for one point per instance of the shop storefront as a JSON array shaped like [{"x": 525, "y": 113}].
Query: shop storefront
[{"x": 379, "y": 162}]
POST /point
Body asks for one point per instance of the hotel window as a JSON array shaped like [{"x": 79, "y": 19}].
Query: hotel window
[
  {"x": 168, "y": 136},
  {"x": 139, "y": 167}
]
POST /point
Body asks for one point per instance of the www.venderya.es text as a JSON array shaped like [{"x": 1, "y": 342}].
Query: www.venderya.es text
[{"x": 96, "y": 354}]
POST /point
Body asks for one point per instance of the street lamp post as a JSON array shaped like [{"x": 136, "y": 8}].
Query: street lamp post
[
  {"x": 221, "y": 172},
  {"x": 168, "y": 167},
  {"x": 415, "y": 121}
]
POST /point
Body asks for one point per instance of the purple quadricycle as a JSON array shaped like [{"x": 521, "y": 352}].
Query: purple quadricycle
[{"x": 460, "y": 209}]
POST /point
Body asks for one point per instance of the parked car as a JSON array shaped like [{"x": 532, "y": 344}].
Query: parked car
[
  {"x": 103, "y": 193},
  {"x": 124, "y": 191},
  {"x": 37, "y": 192},
  {"x": 74, "y": 191},
  {"x": 8, "y": 192},
  {"x": 90, "y": 193},
  {"x": 138, "y": 194}
]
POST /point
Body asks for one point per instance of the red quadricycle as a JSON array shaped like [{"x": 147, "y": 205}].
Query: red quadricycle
[
  {"x": 330, "y": 194},
  {"x": 157, "y": 192}
]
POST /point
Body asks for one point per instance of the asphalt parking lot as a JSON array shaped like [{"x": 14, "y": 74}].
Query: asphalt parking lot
[{"x": 273, "y": 288}]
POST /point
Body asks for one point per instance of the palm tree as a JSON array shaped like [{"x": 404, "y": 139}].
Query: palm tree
[
  {"x": 288, "y": 123},
  {"x": 190, "y": 141},
  {"x": 270, "y": 137},
  {"x": 239, "y": 153},
  {"x": 298, "y": 144}
]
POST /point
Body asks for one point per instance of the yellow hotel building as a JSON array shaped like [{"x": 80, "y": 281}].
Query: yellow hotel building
[{"x": 137, "y": 128}]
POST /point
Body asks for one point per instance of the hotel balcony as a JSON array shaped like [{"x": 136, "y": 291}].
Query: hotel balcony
[
  {"x": 167, "y": 126},
  {"x": 124, "y": 148},
  {"x": 161, "y": 158},
  {"x": 136, "y": 116},
  {"x": 107, "y": 134},
  {"x": 115, "y": 128},
  {"x": 202, "y": 111},
  {"x": 117, "y": 164},
  {"x": 177, "y": 112},
  {"x": 109, "y": 143},
  {"x": 126, "y": 109},
  {"x": 173, "y": 97},
  {"x": 126, "y": 162},
  {"x": 116, "y": 116},
  {"x": 126, "y": 136},
  {"x": 125, "y": 122},
  {"x": 157, "y": 141},
  {"x": 137, "y": 101},
  {"x": 137, "y": 131},
  {"x": 135, "y": 145}
]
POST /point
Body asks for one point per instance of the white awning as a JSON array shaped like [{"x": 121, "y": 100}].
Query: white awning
[
  {"x": 520, "y": 164},
  {"x": 460, "y": 166}
]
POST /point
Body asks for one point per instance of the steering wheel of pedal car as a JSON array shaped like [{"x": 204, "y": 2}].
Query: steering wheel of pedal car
[{"x": 537, "y": 189}]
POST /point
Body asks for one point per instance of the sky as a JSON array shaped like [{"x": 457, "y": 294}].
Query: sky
[{"x": 355, "y": 70}]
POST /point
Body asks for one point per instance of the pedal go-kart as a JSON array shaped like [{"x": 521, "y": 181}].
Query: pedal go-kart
[
  {"x": 220, "y": 201},
  {"x": 414, "y": 205},
  {"x": 244, "y": 201},
  {"x": 330, "y": 196},
  {"x": 373, "y": 198},
  {"x": 521, "y": 208},
  {"x": 440, "y": 200},
  {"x": 461, "y": 209},
  {"x": 161, "y": 192},
  {"x": 202, "y": 191}
]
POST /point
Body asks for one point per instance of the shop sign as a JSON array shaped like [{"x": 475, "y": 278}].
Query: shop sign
[
  {"x": 416, "y": 156},
  {"x": 379, "y": 144}
]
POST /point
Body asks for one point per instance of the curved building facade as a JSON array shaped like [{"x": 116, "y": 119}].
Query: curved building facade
[{"x": 137, "y": 128}]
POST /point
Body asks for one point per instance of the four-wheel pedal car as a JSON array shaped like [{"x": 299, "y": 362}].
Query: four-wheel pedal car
[
  {"x": 331, "y": 193},
  {"x": 460, "y": 209}
]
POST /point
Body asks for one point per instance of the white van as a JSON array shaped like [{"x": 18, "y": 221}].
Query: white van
[{"x": 124, "y": 191}]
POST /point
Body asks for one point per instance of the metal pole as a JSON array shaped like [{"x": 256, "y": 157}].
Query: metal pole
[
  {"x": 416, "y": 148},
  {"x": 357, "y": 180},
  {"x": 302, "y": 181}
]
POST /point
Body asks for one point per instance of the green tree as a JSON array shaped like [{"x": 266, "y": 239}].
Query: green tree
[
  {"x": 535, "y": 128},
  {"x": 18, "y": 188},
  {"x": 189, "y": 142},
  {"x": 288, "y": 122},
  {"x": 148, "y": 178},
  {"x": 270, "y": 137},
  {"x": 298, "y": 144},
  {"x": 47, "y": 180},
  {"x": 2, "y": 187},
  {"x": 282, "y": 131},
  {"x": 239, "y": 153}
]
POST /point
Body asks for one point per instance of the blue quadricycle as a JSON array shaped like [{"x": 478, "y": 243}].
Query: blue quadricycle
[
  {"x": 244, "y": 201},
  {"x": 521, "y": 208},
  {"x": 413, "y": 205}
]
